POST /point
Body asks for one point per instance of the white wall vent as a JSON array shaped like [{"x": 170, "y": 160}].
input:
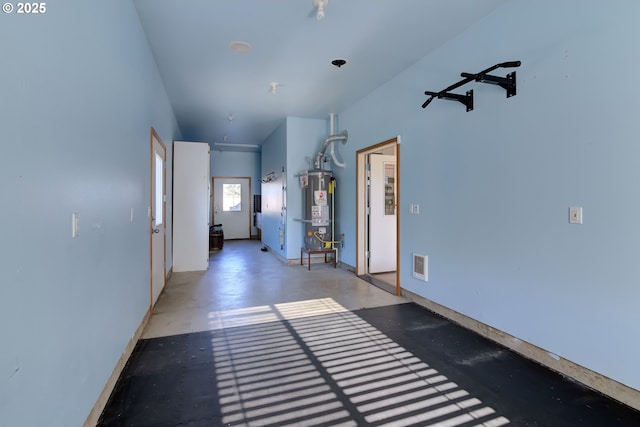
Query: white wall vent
[{"x": 420, "y": 267}]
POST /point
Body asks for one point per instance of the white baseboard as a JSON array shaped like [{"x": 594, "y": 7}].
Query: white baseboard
[
  {"x": 100, "y": 404},
  {"x": 585, "y": 376}
]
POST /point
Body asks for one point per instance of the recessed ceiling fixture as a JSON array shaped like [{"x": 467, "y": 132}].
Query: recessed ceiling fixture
[
  {"x": 274, "y": 87},
  {"x": 320, "y": 5},
  {"x": 338, "y": 62},
  {"x": 240, "y": 47}
]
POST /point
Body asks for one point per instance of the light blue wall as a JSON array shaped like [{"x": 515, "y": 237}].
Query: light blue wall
[
  {"x": 288, "y": 147},
  {"x": 304, "y": 139},
  {"x": 495, "y": 184},
  {"x": 80, "y": 92},
  {"x": 239, "y": 164},
  {"x": 274, "y": 159}
]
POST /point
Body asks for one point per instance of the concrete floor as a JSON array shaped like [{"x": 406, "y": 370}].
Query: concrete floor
[
  {"x": 255, "y": 342},
  {"x": 241, "y": 276}
]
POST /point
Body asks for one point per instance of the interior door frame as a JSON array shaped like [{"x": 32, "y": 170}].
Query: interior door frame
[
  {"x": 154, "y": 136},
  {"x": 361, "y": 206},
  {"x": 213, "y": 182}
]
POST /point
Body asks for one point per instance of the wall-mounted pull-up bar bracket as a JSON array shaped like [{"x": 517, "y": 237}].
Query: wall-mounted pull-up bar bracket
[
  {"x": 466, "y": 100},
  {"x": 508, "y": 83}
]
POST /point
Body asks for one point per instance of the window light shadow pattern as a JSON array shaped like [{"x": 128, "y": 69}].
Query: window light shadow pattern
[{"x": 321, "y": 365}]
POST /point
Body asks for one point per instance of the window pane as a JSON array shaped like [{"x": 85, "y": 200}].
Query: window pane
[
  {"x": 231, "y": 197},
  {"x": 159, "y": 191},
  {"x": 389, "y": 189}
]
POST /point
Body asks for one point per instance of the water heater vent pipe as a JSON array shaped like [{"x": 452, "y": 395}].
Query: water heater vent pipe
[{"x": 342, "y": 136}]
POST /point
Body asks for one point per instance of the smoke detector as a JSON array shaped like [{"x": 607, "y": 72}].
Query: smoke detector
[
  {"x": 320, "y": 5},
  {"x": 240, "y": 46}
]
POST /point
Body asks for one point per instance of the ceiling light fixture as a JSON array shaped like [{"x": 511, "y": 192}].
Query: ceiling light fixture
[
  {"x": 224, "y": 144},
  {"x": 338, "y": 62},
  {"x": 320, "y": 5},
  {"x": 274, "y": 87},
  {"x": 240, "y": 47}
]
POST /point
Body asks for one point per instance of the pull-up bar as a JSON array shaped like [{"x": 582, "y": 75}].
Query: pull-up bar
[{"x": 508, "y": 83}]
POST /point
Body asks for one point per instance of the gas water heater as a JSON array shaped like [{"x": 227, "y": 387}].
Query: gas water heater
[
  {"x": 318, "y": 209},
  {"x": 319, "y": 187}
]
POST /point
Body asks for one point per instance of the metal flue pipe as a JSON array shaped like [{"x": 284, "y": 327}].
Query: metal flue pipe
[{"x": 342, "y": 136}]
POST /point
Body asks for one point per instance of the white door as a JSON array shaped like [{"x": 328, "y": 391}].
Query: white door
[
  {"x": 158, "y": 213},
  {"x": 382, "y": 214},
  {"x": 232, "y": 206}
]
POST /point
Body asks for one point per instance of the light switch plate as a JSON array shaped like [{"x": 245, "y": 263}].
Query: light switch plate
[
  {"x": 575, "y": 215},
  {"x": 75, "y": 224}
]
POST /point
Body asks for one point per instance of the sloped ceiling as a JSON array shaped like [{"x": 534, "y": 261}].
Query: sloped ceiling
[{"x": 220, "y": 95}]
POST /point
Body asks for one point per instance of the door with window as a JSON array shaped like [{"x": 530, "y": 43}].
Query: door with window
[
  {"x": 232, "y": 206},
  {"x": 382, "y": 213},
  {"x": 158, "y": 213}
]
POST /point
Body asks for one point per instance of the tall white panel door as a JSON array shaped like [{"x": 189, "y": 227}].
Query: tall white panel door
[
  {"x": 382, "y": 214},
  {"x": 191, "y": 198}
]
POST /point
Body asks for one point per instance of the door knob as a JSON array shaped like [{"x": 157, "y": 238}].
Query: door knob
[{"x": 156, "y": 230}]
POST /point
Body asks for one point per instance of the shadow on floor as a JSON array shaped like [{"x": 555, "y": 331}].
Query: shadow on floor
[{"x": 322, "y": 365}]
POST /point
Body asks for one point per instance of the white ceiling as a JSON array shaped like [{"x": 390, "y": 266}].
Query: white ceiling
[{"x": 207, "y": 81}]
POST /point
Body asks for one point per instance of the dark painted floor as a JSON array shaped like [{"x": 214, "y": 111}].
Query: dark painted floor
[
  {"x": 525, "y": 392},
  {"x": 397, "y": 365}
]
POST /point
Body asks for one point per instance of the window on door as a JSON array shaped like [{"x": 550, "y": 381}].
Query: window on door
[
  {"x": 389, "y": 189},
  {"x": 159, "y": 182},
  {"x": 231, "y": 197}
]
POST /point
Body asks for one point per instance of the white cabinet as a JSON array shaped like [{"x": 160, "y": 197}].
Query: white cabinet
[{"x": 191, "y": 200}]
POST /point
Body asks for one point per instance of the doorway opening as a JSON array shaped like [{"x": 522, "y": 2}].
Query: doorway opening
[
  {"x": 378, "y": 224},
  {"x": 231, "y": 206}
]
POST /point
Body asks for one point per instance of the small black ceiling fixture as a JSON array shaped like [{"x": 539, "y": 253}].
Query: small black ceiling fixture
[{"x": 338, "y": 62}]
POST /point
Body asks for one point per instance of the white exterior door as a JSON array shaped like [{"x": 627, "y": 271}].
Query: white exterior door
[
  {"x": 158, "y": 213},
  {"x": 232, "y": 206},
  {"x": 382, "y": 213}
]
